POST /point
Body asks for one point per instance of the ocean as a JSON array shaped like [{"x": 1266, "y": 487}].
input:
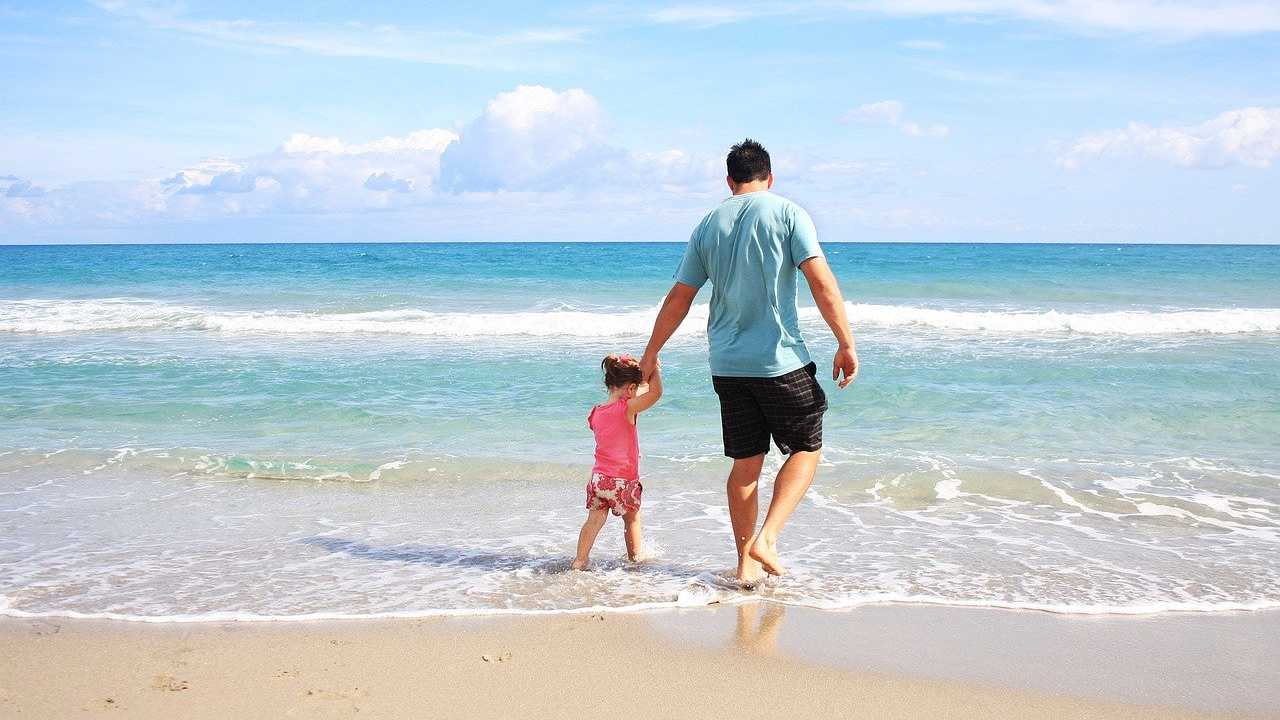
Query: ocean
[{"x": 299, "y": 431}]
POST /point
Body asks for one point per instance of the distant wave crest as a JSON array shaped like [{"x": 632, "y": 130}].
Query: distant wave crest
[
  {"x": 126, "y": 314},
  {"x": 130, "y": 314},
  {"x": 1128, "y": 322}
]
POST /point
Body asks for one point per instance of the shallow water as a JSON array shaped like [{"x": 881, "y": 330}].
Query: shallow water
[{"x": 257, "y": 431}]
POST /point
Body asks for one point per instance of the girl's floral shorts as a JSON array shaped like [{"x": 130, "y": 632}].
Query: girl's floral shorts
[{"x": 619, "y": 495}]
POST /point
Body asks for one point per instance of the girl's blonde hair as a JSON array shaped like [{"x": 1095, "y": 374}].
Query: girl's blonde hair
[{"x": 620, "y": 371}]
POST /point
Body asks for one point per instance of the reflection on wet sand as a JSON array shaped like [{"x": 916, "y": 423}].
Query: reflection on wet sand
[{"x": 756, "y": 630}]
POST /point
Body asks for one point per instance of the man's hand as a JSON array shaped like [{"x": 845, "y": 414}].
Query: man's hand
[
  {"x": 648, "y": 364},
  {"x": 826, "y": 294},
  {"x": 846, "y": 361}
]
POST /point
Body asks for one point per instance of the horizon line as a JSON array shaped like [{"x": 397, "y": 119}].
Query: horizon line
[{"x": 1049, "y": 243}]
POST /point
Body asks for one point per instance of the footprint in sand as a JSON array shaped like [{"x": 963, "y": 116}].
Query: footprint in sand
[
  {"x": 169, "y": 683},
  {"x": 327, "y": 702},
  {"x": 42, "y": 628},
  {"x": 103, "y": 704},
  {"x": 500, "y": 657},
  {"x": 351, "y": 694}
]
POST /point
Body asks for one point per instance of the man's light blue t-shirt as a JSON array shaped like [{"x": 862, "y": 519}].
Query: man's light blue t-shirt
[{"x": 750, "y": 248}]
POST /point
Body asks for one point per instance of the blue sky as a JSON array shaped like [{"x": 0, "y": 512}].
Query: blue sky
[{"x": 920, "y": 120}]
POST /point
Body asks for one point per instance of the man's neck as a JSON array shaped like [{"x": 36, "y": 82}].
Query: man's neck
[{"x": 750, "y": 187}]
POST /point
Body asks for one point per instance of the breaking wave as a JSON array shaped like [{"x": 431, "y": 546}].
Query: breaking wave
[{"x": 129, "y": 314}]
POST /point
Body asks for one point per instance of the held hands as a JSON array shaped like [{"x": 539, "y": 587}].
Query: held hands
[
  {"x": 846, "y": 361},
  {"x": 648, "y": 366}
]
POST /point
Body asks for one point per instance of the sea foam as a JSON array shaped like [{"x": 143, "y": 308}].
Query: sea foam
[{"x": 130, "y": 314}]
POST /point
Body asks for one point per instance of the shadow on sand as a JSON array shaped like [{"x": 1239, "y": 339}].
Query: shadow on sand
[{"x": 449, "y": 556}]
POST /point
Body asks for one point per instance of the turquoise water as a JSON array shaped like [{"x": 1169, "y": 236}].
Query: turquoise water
[{"x": 285, "y": 430}]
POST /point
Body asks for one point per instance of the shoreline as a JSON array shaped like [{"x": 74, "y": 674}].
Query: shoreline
[
  {"x": 1184, "y": 610},
  {"x": 884, "y": 661}
]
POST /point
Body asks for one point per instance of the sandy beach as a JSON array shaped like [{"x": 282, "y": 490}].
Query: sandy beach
[{"x": 884, "y": 662}]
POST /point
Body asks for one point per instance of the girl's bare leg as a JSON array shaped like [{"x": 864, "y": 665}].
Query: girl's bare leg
[
  {"x": 587, "y": 537},
  {"x": 631, "y": 533}
]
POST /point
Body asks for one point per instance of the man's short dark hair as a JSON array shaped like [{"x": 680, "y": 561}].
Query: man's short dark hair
[{"x": 748, "y": 161}]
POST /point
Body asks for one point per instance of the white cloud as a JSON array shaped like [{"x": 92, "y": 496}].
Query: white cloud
[
  {"x": 532, "y": 141},
  {"x": 713, "y": 15},
  {"x": 536, "y": 163},
  {"x": 305, "y": 175},
  {"x": 529, "y": 138},
  {"x": 15, "y": 187},
  {"x": 887, "y": 112},
  {"x": 517, "y": 50},
  {"x": 214, "y": 175},
  {"x": 537, "y": 139},
  {"x": 434, "y": 140},
  {"x": 1159, "y": 17},
  {"x": 1174, "y": 19},
  {"x": 388, "y": 182},
  {"x": 1247, "y": 136},
  {"x": 890, "y": 113}
]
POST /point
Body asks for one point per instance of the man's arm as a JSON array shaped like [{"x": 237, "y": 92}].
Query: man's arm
[
  {"x": 674, "y": 309},
  {"x": 826, "y": 293}
]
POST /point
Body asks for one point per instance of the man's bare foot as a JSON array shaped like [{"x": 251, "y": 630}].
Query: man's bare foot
[
  {"x": 749, "y": 573},
  {"x": 765, "y": 551},
  {"x": 578, "y": 565}
]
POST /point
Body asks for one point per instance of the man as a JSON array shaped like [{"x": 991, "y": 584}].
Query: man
[{"x": 751, "y": 247}]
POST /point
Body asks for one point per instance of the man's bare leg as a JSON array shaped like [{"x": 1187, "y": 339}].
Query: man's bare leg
[
  {"x": 793, "y": 482},
  {"x": 744, "y": 508}
]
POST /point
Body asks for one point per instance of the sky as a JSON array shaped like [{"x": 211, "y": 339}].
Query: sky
[{"x": 910, "y": 121}]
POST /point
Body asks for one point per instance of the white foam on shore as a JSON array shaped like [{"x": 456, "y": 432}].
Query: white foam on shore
[
  {"x": 131, "y": 314},
  {"x": 693, "y": 599},
  {"x": 936, "y": 531},
  {"x": 7, "y": 611}
]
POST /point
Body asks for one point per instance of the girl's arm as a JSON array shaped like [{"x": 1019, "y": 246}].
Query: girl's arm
[{"x": 647, "y": 395}]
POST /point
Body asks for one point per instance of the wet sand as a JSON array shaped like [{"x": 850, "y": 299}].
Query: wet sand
[
  {"x": 766, "y": 659},
  {"x": 1212, "y": 662}
]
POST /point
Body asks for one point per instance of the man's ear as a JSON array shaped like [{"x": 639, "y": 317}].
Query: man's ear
[
  {"x": 733, "y": 186},
  {"x": 770, "y": 185}
]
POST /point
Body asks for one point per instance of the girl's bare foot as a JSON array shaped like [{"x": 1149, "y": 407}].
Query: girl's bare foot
[
  {"x": 765, "y": 551},
  {"x": 578, "y": 565}
]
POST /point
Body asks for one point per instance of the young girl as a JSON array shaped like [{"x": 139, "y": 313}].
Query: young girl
[{"x": 615, "y": 479}]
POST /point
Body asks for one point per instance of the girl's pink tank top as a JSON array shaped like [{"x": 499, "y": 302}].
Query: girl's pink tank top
[{"x": 617, "y": 447}]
